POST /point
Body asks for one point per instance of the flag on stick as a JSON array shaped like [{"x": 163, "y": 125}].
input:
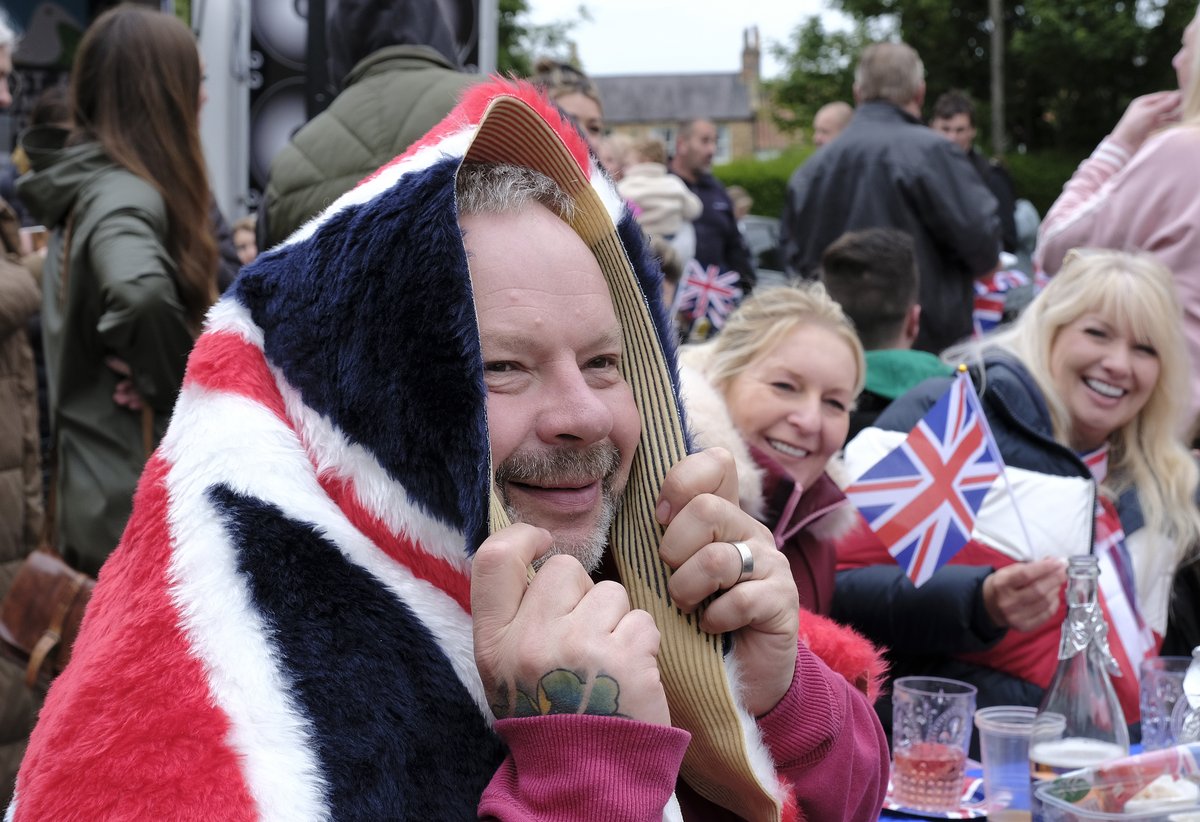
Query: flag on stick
[
  {"x": 922, "y": 497},
  {"x": 707, "y": 292}
]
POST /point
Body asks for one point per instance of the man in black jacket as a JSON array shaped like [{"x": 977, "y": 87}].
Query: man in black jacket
[
  {"x": 887, "y": 170},
  {"x": 954, "y": 117},
  {"x": 718, "y": 241}
]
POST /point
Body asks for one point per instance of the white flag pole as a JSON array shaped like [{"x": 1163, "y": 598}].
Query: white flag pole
[{"x": 993, "y": 449}]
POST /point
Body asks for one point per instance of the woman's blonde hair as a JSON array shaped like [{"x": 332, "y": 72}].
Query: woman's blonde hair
[
  {"x": 558, "y": 79},
  {"x": 769, "y": 315},
  {"x": 1147, "y": 453}
]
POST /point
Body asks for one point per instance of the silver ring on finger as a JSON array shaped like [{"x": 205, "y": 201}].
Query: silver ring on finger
[{"x": 747, "y": 560}]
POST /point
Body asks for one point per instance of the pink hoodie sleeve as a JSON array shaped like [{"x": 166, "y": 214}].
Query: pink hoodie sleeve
[
  {"x": 823, "y": 733},
  {"x": 1078, "y": 199},
  {"x": 568, "y": 767},
  {"x": 1144, "y": 203}
]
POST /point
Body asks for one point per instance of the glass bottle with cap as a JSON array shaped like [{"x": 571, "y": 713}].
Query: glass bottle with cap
[{"x": 1080, "y": 722}]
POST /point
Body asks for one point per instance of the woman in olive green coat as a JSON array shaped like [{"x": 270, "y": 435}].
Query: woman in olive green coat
[{"x": 131, "y": 267}]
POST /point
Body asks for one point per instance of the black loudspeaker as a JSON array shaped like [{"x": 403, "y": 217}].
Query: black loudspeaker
[{"x": 288, "y": 84}]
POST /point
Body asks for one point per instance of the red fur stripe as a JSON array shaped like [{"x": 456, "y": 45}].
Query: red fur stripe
[
  {"x": 422, "y": 565},
  {"x": 132, "y": 718},
  {"x": 791, "y": 811},
  {"x": 474, "y": 103},
  {"x": 222, "y": 361},
  {"x": 845, "y": 651}
]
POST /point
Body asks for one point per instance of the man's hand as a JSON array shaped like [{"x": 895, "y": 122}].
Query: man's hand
[
  {"x": 1146, "y": 115},
  {"x": 1024, "y": 595},
  {"x": 561, "y": 643},
  {"x": 699, "y": 506}
]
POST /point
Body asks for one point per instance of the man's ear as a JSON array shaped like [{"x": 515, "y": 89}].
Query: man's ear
[
  {"x": 857, "y": 95},
  {"x": 912, "y": 324},
  {"x": 919, "y": 96}
]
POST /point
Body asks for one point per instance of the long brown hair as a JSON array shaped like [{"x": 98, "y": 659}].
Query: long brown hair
[{"x": 135, "y": 89}]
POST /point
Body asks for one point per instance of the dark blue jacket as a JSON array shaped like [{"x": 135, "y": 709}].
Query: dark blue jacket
[
  {"x": 925, "y": 627},
  {"x": 718, "y": 241}
]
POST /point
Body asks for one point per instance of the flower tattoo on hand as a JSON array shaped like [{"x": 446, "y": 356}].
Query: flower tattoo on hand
[{"x": 563, "y": 692}]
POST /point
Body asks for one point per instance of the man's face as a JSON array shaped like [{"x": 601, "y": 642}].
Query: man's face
[
  {"x": 562, "y": 422},
  {"x": 957, "y": 129},
  {"x": 826, "y": 126},
  {"x": 695, "y": 152},
  {"x": 6, "y": 70}
]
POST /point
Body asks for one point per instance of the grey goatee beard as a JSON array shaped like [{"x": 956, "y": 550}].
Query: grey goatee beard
[{"x": 567, "y": 466}]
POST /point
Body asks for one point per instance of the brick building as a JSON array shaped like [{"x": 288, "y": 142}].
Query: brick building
[{"x": 655, "y": 104}]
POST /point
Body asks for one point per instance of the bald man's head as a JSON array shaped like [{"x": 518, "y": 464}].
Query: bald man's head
[{"x": 830, "y": 120}]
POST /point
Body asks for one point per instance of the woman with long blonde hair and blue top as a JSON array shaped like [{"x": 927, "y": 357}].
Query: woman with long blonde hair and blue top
[{"x": 1084, "y": 394}]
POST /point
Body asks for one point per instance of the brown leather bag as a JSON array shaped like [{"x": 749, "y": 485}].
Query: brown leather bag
[{"x": 40, "y": 616}]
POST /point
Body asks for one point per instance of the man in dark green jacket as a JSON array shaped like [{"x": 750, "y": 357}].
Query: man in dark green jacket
[{"x": 401, "y": 76}]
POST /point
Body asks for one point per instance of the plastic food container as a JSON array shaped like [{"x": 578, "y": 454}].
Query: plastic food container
[{"x": 1163, "y": 786}]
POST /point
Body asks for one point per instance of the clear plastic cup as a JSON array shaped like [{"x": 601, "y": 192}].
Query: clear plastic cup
[{"x": 1004, "y": 748}]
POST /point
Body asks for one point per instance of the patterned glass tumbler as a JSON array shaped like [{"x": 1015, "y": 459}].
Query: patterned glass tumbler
[{"x": 932, "y": 719}]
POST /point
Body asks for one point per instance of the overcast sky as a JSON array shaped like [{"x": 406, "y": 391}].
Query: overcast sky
[{"x": 668, "y": 36}]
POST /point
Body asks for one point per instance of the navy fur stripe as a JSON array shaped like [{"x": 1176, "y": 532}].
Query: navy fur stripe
[
  {"x": 359, "y": 672},
  {"x": 386, "y": 346}
]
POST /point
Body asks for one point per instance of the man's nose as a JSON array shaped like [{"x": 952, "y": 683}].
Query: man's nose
[{"x": 573, "y": 411}]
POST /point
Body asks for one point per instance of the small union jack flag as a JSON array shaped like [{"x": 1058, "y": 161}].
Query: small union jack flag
[
  {"x": 707, "y": 292},
  {"x": 991, "y": 292},
  {"x": 922, "y": 497}
]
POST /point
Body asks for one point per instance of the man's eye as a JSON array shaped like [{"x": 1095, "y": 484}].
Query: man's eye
[
  {"x": 499, "y": 367},
  {"x": 606, "y": 361}
]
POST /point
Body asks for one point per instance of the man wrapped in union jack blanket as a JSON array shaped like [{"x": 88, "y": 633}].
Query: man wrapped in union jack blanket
[
  {"x": 1083, "y": 395},
  {"x": 320, "y": 609}
]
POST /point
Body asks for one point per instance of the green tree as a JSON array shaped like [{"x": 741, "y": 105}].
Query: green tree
[
  {"x": 820, "y": 69},
  {"x": 1071, "y": 65},
  {"x": 520, "y": 42}
]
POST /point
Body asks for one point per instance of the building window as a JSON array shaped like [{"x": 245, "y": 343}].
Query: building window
[{"x": 724, "y": 148}]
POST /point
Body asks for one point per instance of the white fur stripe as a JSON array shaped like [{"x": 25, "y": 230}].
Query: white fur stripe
[
  {"x": 231, "y": 317},
  {"x": 233, "y": 441},
  {"x": 377, "y": 492},
  {"x": 452, "y": 145},
  {"x": 614, "y": 204},
  {"x": 268, "y": 729}
]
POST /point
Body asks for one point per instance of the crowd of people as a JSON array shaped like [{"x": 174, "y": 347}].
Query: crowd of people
[{"x": 410, "y": 498}]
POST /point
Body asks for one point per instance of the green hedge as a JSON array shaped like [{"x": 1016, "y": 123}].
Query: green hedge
[
  {"x": 1038, "y": 177},
  {"x": 765, "y": 180}
]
